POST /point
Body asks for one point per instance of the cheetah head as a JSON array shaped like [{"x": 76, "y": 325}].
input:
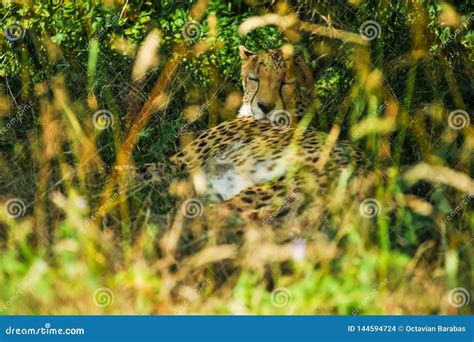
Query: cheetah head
[{"x": 274, "y": 81}]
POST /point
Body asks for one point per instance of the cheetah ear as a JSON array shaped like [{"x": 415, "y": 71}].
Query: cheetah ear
[{"x": 245, "y": 53}]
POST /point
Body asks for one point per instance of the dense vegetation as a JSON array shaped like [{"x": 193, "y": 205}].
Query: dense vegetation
[{"x": 85, "y": 84}]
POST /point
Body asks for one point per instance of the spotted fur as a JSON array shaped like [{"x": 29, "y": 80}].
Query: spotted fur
[{"x": 252, "y": 164}]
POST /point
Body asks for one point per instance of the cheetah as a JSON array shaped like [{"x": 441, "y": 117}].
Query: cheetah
[
  {"x": 254, "y": 163},
  {"x": 274, "y": 81}
]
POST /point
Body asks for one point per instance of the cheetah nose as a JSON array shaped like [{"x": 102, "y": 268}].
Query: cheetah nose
[{"x": 266, "y": 107}]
